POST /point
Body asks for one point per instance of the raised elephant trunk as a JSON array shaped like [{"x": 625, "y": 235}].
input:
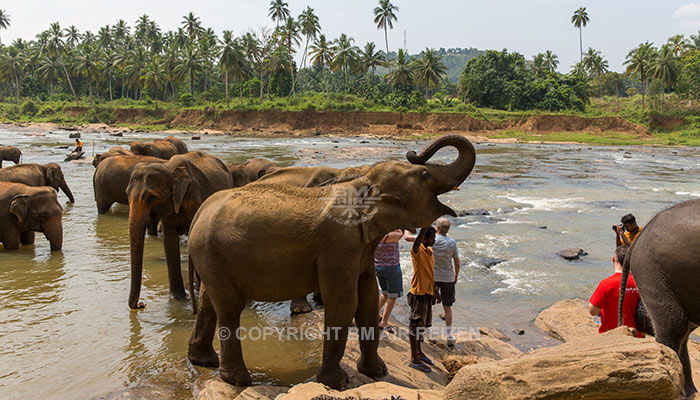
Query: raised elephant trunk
[
  {"x": 138, "y": 215},
  {"x": 53, "y": 230},
  {"x": 64, "y": 187},
  {"x": 450, "y": 175}
]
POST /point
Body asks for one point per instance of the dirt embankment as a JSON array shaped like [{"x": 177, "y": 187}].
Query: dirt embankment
[{"x": 364, "y": 123}]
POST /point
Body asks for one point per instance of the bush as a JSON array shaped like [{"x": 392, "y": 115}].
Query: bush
[
  {"x": 29, "y": 108},
  {"x": 186, "y": 99},
  {"x": 46, "y": 111},
  {"x": 12, "y": 112},
  {"x": 106, "y": 116},
  {"x": 92, "y": 116}
]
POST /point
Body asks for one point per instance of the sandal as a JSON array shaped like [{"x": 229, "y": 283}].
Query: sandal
[
  {"x": 427, "y": 360},
  {"x": 419, "y": 366}
]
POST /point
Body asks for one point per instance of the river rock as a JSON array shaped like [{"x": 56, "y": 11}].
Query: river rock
[
  {"x": 567, "y": 320},
  {"x": 572, "y": 254},
  {"x": 608, "y": 366},
  {"x": 476, "y": 211},
  {"x": 475, "y": 344},
  {"x": 371, "y": 391},
  {"x": 75, "y": 135}
]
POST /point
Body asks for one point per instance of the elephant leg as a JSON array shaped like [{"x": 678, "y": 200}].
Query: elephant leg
[
  {"x": 688, "y": 387},
  {"x": 317, "y": 298},
  {"x": 153, "y": 227},
  {"x": 200, "y": 349},
  {"x": 171, "y": 243},
  {"x": 11, "y": 238},
  {"x": 299, "y": 306},
  {"x": 103, "y": 205},
  {"x": 229, "y": 302},
  {"x": 367, "y": 321},
  {"x": 27, "y": 238}
]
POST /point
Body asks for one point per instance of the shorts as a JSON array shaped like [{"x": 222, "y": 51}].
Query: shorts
[
  {"x": 421, "y": 314},
  {"x": 390, "y": 280},
  {"x": 447, "y": 292}
]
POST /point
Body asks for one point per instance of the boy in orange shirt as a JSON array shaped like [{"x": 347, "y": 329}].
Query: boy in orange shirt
[{"x": 420, "y": 297}]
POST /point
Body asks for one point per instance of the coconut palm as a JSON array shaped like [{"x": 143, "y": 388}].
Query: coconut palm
[
  {"x": 679, "y": 44},
  {"x": 430, "y": 69},
  {"x": 55, "y": 45},
  {"x": 12, "y": 64},
  {"x": 190, "y": 64},
  {"x": 154, "y": 77},
  {"x": 538, "y": 67},
  {"x": 695, "y": 41},
  {"x": 278, "y": 11},
  {"x": 638, "y": 62},
  {"x": 580, "y": 20},
  {"x": 49, "y": 71},
  {"x": 344, "y": 57},
  {"x": 551, "y": 61},
  {"x": 231, "y": 59},
  {"x": 4, "y": 19},
  {"x": 666, "y": 67},
  {"x": 72, "y": 36},
  {"x": 87, "y": 65},
  {"x": 120, "y": 31},
  {"x": 104, "y": 38},
  {"x": 384, "y": 17},
  {"x": 138, "y": 59},
  {"x": 321, "y": 53},
  {"x": 170, "y": 61},
  {"x": 310, "y": 28},
  {"x": 370, "y": 59},
  {"x": 596, "y": 65},
  {"x": 402, "y": 76},
  {"x": 192, "y": 26}
]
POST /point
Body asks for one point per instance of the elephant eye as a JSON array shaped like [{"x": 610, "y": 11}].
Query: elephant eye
[{"x": 426, "y": 174}]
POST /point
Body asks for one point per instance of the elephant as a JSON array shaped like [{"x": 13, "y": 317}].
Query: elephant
[
  {"x": 26, "y": 209},
  {"x": 10, "y": 153},
  {"x": 665, "y": 264},
  {"x": 37, "y": 175},
  {"x": 160, "y": 148},
  {"x": 250, "y": 171},
  {"x": 179, "y": 144},
  {"x": 310, "y": 177},
  {"x": 114, "y": 151},
  {"x": 171, "y": 192},
  {"x": 275, "y": 242},
  {"x": 111, "y": 179}
]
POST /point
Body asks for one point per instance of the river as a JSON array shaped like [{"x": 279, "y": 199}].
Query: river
[{"x": 67, "y": 331}]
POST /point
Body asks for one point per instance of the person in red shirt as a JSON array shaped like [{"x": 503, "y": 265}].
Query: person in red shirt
[{"x": 607, "y": 295}]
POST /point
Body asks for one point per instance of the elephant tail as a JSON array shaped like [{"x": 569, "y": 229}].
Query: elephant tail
[
  {"x": 190, "y": 273},
  {"x": 623, "y": 284}
]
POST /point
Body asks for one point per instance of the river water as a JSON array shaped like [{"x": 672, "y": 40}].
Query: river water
[{"x": 67, "y": 332}]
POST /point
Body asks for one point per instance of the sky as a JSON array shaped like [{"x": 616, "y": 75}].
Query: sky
[{"x": 525, "y": 26}]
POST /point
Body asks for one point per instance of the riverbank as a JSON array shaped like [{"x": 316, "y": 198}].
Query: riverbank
[{"x": 499, "y": 128}]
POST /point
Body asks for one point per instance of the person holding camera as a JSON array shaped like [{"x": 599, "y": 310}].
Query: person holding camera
[{"x": 627, "y": 231}]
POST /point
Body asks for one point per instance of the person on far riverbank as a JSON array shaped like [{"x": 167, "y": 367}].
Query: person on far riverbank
[
  {"x": 626, "y": 233},
  {"x": 420, "y": 297},
  {"x": 388, "y": 270}
]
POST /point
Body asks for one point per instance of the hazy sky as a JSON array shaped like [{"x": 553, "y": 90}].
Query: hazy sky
[{"x": 526, "y": 26}]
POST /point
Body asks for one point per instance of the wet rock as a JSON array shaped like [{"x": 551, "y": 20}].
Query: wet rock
[
  {"x": 608, "y": 366},
  {"x": 494, "y": 333},
  {"x": 116, "y": 134},
  {"x": 475, "y": 344},
  {"x": 476, "y": 211},
  {"x": 196, "y": 137},
  {"x": 572, "y": 254},
  {"x": 75, "y": 135},
  {"x": 567, "y": 320},
  {"x": 519, "y": 332},
  {"x": 543, "y": 227},
  {"x": 486, "y": 262}
]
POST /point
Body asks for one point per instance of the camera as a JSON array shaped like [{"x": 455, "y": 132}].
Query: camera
[{"x": 622, "y": 227}]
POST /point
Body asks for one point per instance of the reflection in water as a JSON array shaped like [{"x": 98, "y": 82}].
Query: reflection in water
[{"x": 67, "y": 331}]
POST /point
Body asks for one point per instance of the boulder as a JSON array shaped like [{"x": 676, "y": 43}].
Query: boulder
[
  {"x": 567, "y": 320},
  {"x": 216, "y": 389},
  {"x": 572, "y": 254},
  {"x": 468, "y": 344},
  {"x": 75, "y": 135},
  {"x": 371, "y": 391},
  {"x": 609, "y": 366}
]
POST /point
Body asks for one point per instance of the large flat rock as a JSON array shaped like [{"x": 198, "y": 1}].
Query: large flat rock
[
  {"x": 567, "y": 320},
  {"x": 372, "y": 391}
]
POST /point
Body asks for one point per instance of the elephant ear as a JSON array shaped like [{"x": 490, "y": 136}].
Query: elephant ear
[
  {"x": 181, "y": 185},
  {"x": 388, "y": 214},
  {"x": 19, "y": 206},
  {"x": 53, "y": 176},
  {"x": 261, "y": 173}
]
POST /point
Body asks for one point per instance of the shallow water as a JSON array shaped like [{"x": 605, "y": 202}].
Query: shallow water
[{"x": 67, "y": 331}]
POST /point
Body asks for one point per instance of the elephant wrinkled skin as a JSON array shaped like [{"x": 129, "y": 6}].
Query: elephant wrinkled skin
[
  {"x": 10, "y": 153},
  {"x": 666, "y": 267},
  {"x": 275, "y": 242},
  {"x": 171, "y": 192},
  {"x": 27, "y": 209},
  {"x": 112, "y": 177},
  {"x": 250, "y": 171},
  {"x": 37, "y": 175},
  {"x": 114, "y": 151},
  {"x": 162, "y": 148}
]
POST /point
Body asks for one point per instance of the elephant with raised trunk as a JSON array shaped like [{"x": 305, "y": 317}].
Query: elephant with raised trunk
[
  {"x": 172, "y": 193},
  {"x": 10, "y": 153},
  {"x": 275, "y": 242},
  {"x": 161, "y": 148},
  {"x": 27, "y": 209},
  {"x": 112, "y": 177},
  {"x": 37, "y": 175},
  {"x": 250, "y": 171},
  {"x": 665, "y": 262}
]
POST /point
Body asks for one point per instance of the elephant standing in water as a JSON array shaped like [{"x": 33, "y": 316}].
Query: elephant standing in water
[
  {"x": 10, "y": 153},
  {"x": 162, "y": 148},
  {"x": 250, "y": 171},
  {"x": 114, "y": 151},
  {"x": 25, "y": 210},
  {"x": 172, "y": 193},
  {"x": 275, "y": 242},
  {"x": 665, "y": 262},
  {"x": 37, "y": 175},
  {"x": 112, "y": 177}
]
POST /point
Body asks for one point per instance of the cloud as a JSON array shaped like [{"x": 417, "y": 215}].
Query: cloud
[{"x": 688, "y": 15}]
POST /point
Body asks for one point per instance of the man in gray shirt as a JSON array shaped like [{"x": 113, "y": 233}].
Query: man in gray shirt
[{"x": 446, "y": 274}]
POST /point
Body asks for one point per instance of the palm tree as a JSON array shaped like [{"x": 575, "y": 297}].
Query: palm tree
[
  {"x": 278, "y": 11},
  {"x": 120, "y": 31},
  {"x": 580, "y": 20},
  {"x": 345, "y": 55},
  {"x": 87, "y": 63},
  {"x": 430, "y": 69},
  {"x": 50, "y": 70},
  {"x": 310, "y": 28},
  {"x": 551, "y": 61},
  {"x": 289, "y": 33},
  {"x": 538, "y": 67},
  {"x": 104, "y": 38},
  {"x": 138, "y": 59},
  {"x": 402, "y": 75},
  {"x": 56, "y": 46},
  {"x": 170, "y": 61},
  {"x": 4, "y": 19},
  {"x": 384, "y": 17},
  {"x": 12, "y": 64},
  {"x": 638, "y": 63},
  {"x": 192, "y": 25},
  {"x": 666, "y": 67},
  {"x": 322, "y": 57},
  {"x": 370, "y": 59},
  {"x": 230, "y": 57},
  {"x": 72, "y": 36},
  {"x": 695, "y": 41},
  {"x": 596, "y": 65},
  {"x": 190, "y": 64},
  {"x": 153, "y": 77},
  {"x": 679, "y": 45}
]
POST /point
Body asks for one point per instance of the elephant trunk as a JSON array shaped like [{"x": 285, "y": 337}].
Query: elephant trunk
[
  {"x": 53, "y": 230},
  {"x": 138, "y": 214},
  {"x": 450, "y": 175},
  {"x": 64, "y": 187}
]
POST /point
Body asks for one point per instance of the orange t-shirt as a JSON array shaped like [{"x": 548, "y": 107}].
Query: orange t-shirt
[{"x": 423, "y": 271}]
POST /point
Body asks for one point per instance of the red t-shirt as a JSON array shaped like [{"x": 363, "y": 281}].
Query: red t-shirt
[{"x": 606, "y": 297}]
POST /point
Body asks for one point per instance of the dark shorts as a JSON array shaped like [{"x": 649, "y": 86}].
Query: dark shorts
[
  {"x": 421, "y": 313},
  {"x": 447, "y": 292},
  {"x": 390, "y": 280}
]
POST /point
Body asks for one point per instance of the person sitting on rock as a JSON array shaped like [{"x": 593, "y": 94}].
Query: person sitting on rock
[
  {"x": 388, "y": 270},
  {"x": 604, "y": 300},
  {"x": 78, "y": 146},
  {"x": 420, "y": 297},
  {"x": 627, "y": 232}
]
